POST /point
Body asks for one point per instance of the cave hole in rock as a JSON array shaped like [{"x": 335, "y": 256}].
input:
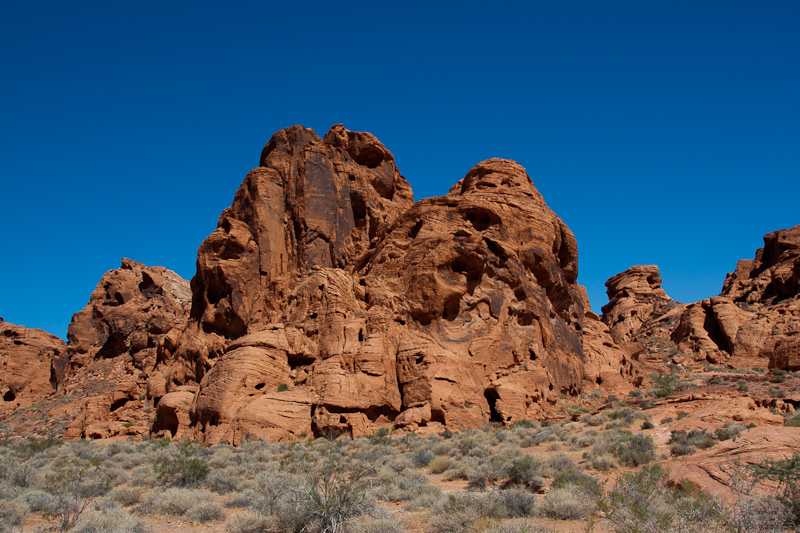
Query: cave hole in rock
[
  {"x": 599, "y": 380},
  {"x": 119, "y": 403},
  {"x": 360, "y": 335},
  {"x": 260, "y": 386},
  {"x": 492, "y": 396},
  {"x": 9, "y": 396},
  {"x": 715, "y": 333},
  {"x": 532, "y": 353},
  {"x": 451, "y": 309},
  {"x": 419, "y": 359},
  {"x": 313, "y": 315},
  {"x": 415, "y": 230},
  {"x": 351, "y": 177},
  {"x": 481, "y": 219},
  {"x": 359, "y": 209},
  {"x": 118, "y": 299},
  {"x": 369, "y": 156},
  {"x": 519, "y": 294},
  {"x": 296, "y": 360},
  {"x": 147, "y": 286}
]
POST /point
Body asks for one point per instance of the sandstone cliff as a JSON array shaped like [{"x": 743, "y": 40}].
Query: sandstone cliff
[{"x": 327, "y": 300}]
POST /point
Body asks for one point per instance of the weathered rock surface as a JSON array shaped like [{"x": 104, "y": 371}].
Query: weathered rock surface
[
  {"x": 32, "y": 362},
  {"x": 635, "y": 299},
  {"x": 756, "y": 318},
  {"x": 325, "y": 296},
  {"x": 712, "y": 470},
  {"x": 122, "y": 338}
]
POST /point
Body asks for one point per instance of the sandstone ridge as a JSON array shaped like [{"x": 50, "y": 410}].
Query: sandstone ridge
[{"x": 327, "y": 300}]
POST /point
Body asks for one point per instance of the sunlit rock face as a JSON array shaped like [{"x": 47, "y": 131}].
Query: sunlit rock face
[{"x": 326, "y": 292}]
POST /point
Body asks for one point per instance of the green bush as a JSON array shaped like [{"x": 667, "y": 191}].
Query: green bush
[{"x": 183, "y": 468}]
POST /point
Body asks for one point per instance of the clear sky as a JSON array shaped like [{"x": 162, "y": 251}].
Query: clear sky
[{"x": 662, "y": 132}]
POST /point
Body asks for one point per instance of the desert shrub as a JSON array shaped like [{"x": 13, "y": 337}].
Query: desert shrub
[
  {"x": 439, "y": 464},
  {"x": 524, "y": 471},
  {"x": 480, "y": 475},
  {"x": 142, "y": 476},
  {"x": 244, "y": 499},
  {"x": 74, "y": 483},
  {"x": 185, "y": 467},
  {"x": 594, "y": 420},
  {"x": 115, "y": 520},
  {"x": 667, "y": 420},
  {"x": 270, "y": 487},
  {"x": 558, "y": 463},
  {"x": 642, "y": 501},
  {"x": 647, "y": 425},
  {"x": 205, "y": 511},
  {"x": 786, "y": 473},
  {"x": 247, "y": 522},
  {"x": 518, "y": 525},
  {"x": 13, "y": 513},
  {"x": 126, "y": 496},
  {"x": 39, "y": 500},
  {"x": 682, "y": 414},
  {"x": 566, "y": 504},
  {"x": 425, "y": 497},
  {"x": 334, "y": 491},
  {"x": 775, "y": 392},
  {"x": 458, "y": 512},
  {"x": 601, "y": 463},
  {"x": 523, "y": 423},
  {"x": 792, "y": 422},
  {"x": 663, "y": 384},
  {"x": 173, "y": 501},
  {"x": 223, "y": 481},
  {"x": 518, "y": 503},
  {"x": 628, "y": 448},
  {"x": 384, "y": 524},
  {"x": 743, "y": 387},
  {"x": 423, "y": 457},
  {"x": 678, "y": 449}
]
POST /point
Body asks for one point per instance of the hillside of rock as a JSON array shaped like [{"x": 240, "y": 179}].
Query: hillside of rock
[{"x": 326, "y": 300}]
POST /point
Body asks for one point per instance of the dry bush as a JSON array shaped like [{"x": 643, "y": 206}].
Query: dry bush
[
  {"x": 247, "y": 522},
  {"x": 439, "y": 464},
  {"x": 13, "y": 513},
  {"x": 173, "y": 501},
  {"x": 205, "y": 511},
  {"x": 519, "y": 525},
  {"x": 126, "y": 496},
  {"x": 566, "y": 504},
  {"x": 458, "y": 512},
  {"x": 115, "y": 520}
]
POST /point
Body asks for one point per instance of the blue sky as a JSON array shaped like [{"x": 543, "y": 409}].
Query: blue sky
[{"x": 664, "y": 132}]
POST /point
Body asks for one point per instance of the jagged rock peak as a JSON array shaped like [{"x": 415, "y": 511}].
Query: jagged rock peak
[{"x": 635, "y": 297}]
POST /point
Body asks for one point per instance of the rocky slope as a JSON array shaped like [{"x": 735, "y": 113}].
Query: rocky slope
[{"x": 327, "y": 300}]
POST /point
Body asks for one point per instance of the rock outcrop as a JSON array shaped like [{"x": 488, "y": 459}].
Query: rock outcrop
[
  {"x": 327, "y": 300},
  {"x": 118, "y": 344},
  {"x": 635, "y": 298},
  {"x": 713, "y": 470},
  {"x": 756, "y": 318},
  {"x": 32, "y": 362}
]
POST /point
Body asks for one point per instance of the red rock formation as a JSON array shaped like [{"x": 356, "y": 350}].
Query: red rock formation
[
  {"x": 32, "y": 362},
  {"x": 712, "y": 470},
  {"x": 122, "y": 339},
  {"x": 635, "y": 299},
  {"x": 324, "y": 296},
  {"x": 757, "y": 315}
]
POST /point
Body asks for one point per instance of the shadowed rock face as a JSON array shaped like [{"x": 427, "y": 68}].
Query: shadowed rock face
[{"x": 326, "y": 292}]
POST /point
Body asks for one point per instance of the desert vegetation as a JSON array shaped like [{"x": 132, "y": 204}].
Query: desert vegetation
[{"x": 597, "y": 471}]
